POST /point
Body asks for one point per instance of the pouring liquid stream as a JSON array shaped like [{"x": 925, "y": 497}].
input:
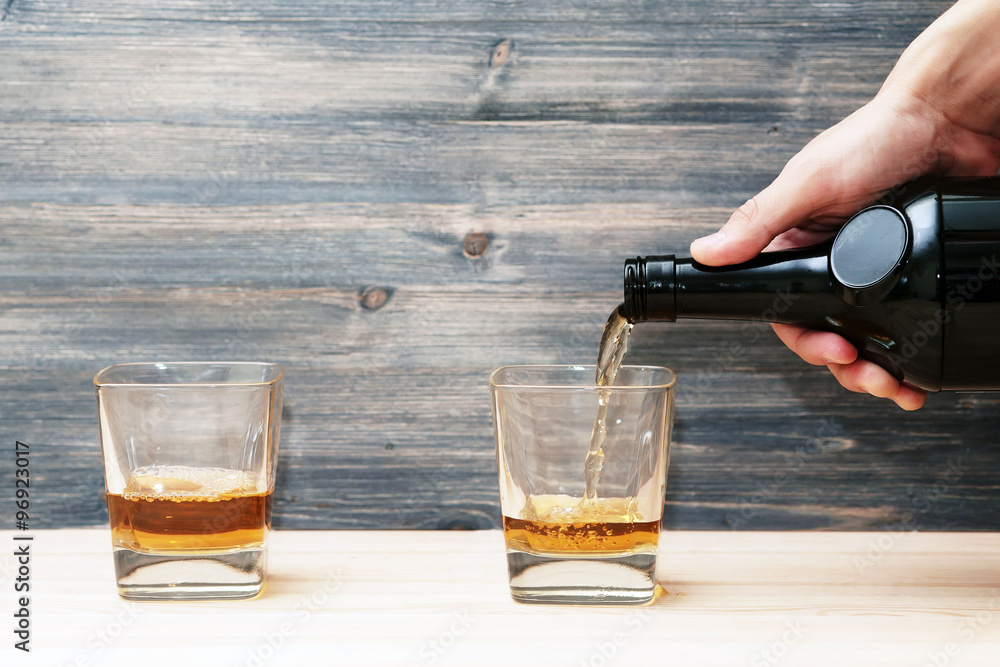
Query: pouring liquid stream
[{"x": 614, "y": 343}]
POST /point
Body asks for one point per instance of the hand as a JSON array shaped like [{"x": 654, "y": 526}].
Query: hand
[{"x": 938, "y": 112}]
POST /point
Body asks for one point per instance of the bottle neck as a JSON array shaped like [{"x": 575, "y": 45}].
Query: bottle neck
[{"x": 787, "y": 286}]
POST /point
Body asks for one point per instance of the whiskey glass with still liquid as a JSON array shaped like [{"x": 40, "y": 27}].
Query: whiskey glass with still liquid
[
  {"x": 189, "y": 460},
  {"x": 583, "y": 471}
]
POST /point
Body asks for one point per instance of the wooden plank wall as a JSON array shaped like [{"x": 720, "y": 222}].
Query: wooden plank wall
[{"x": 220, "y": 180}]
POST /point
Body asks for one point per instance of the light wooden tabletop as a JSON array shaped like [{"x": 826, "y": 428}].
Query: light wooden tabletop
[{"x": 441, "y": 598}]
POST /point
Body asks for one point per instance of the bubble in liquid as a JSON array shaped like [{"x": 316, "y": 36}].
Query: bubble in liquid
[
  {"x": 561, "y": 508},
  {"x": 186, "y": 483}
]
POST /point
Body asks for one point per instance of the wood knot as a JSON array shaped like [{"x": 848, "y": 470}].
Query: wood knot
[
  {"x": 500, "y": 53},
  {"x": 6, "y": 10},
  {"x": 475, "y": 244},
  {"x": 373, "y": 298}
]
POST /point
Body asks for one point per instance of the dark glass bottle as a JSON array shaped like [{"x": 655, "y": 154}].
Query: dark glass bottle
[{"x": 912, "y": 282}]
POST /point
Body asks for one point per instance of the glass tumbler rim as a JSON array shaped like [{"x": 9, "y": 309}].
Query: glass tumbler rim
[
  {"x": 670, "y": 381},
  {"x": 162, "y": 365}
]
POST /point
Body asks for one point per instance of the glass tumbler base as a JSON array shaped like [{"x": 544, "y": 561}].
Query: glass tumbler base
[
  {"x": 217, "y": 576},
  {"x": 625, "y": 579}
]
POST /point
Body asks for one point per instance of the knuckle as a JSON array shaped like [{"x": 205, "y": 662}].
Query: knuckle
[
  {"x": 848, "y": 378},
  {"x": 876, "y": 382},
  {"x": 810, "y": 346},
  {"x": 750, "y": 217},
  {"x": 748, "y": 213}
]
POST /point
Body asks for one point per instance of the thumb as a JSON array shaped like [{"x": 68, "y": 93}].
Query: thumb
[
  {"x": 790, "y": 200},
  {"x": 839, "y": 170}
]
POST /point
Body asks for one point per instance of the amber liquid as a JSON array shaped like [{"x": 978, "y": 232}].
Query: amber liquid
[
  {"x": 614, "y": 343},
  {"x": 559, "y": 524},
  {"x": 592, "y": 549},
  {"x": 552, "y": 524},
  {"x": 174, "y": 509}
]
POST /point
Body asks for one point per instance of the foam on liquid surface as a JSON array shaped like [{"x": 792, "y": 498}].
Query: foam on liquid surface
[
  {"x": 552, "y": 508},
  {"x": 186, "y": 483}
]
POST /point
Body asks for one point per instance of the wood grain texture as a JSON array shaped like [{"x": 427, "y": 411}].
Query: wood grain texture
[
  {"x": 216, "y": 180},
  {"x": 425, "y": 597}
]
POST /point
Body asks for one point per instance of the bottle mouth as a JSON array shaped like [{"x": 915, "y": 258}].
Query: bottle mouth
[
  {"x": 649, "y": 280},
  {"x": 634, "y": 308}
]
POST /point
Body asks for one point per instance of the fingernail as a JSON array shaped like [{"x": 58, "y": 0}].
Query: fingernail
[{"x": 711, "y": 241}]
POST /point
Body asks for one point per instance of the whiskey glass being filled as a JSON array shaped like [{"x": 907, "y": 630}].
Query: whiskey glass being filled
[{"x": 582, "y": 470}]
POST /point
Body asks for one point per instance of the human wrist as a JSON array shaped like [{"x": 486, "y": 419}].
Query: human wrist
[{"x": 951, "y": 71}]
